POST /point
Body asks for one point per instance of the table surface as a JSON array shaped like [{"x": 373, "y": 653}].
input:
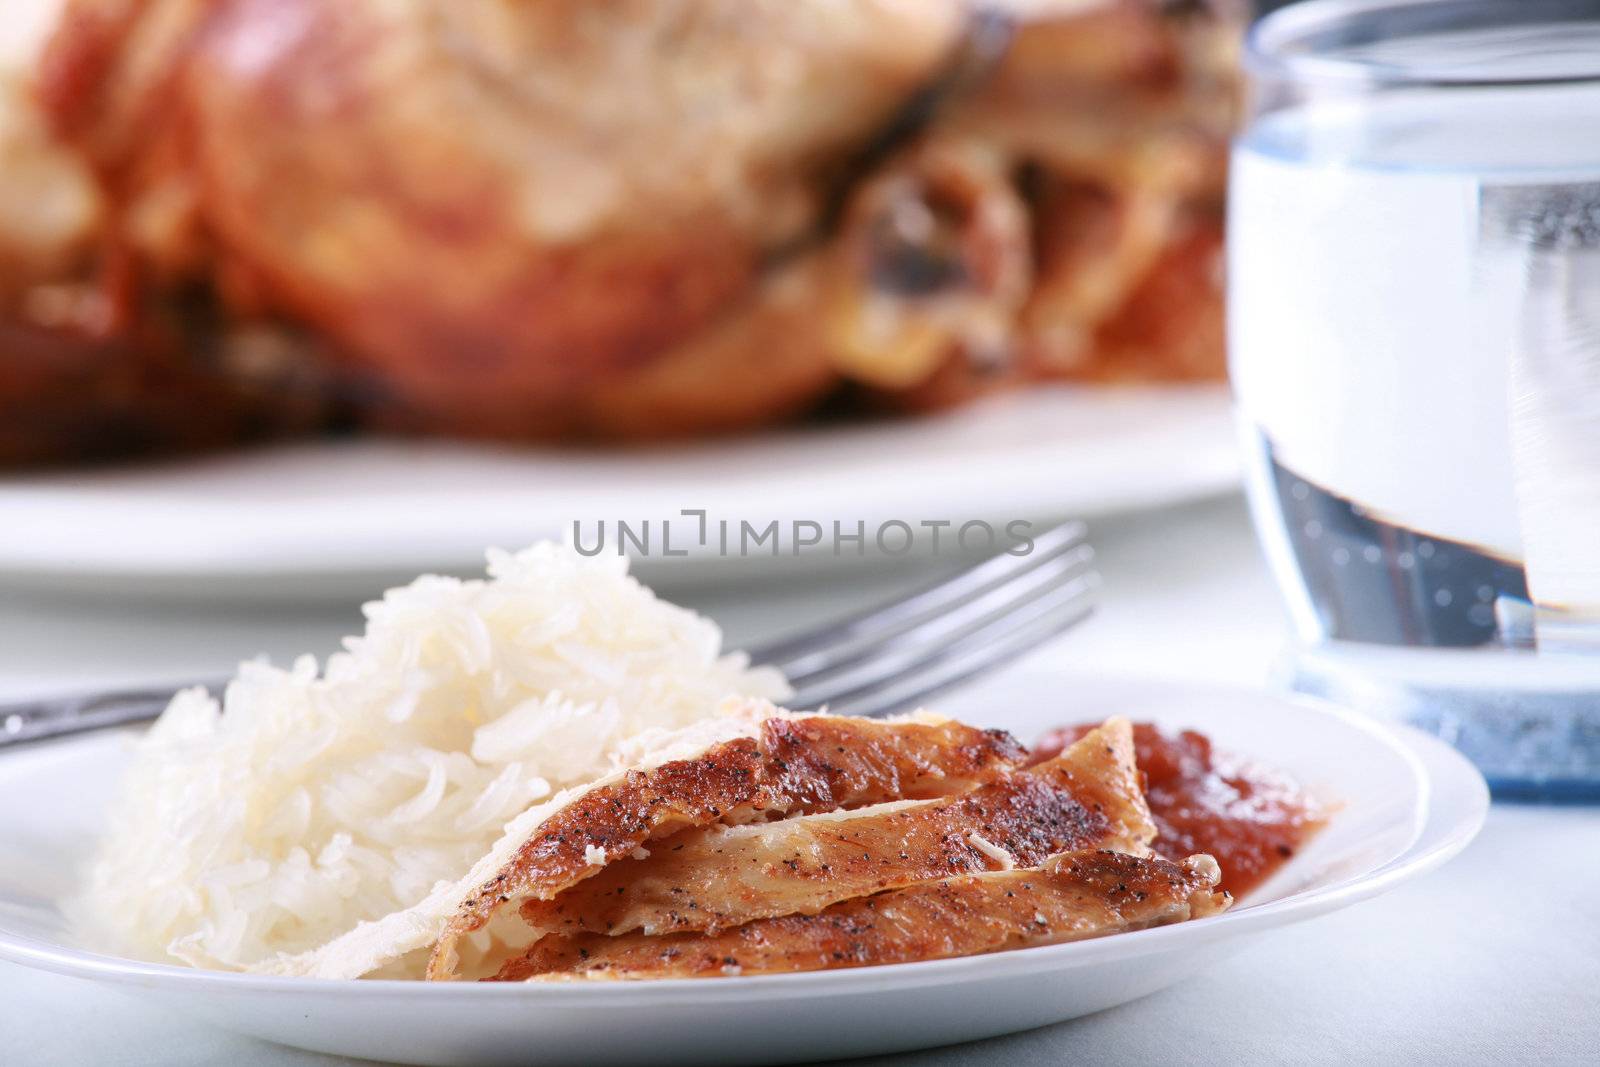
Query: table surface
[{"x": 1493, "y": 958}]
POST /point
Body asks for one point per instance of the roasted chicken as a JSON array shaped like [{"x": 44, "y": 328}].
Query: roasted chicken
[
  {"x": 830, "y": 842},
  {"x": 1075, "y": 896},
  {"x": 224, "y": 219},
  {"x": 710, "y": 879},
  {"x": 811, "y": 764}
]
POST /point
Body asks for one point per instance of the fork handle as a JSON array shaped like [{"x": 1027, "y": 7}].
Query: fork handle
[{"x": 36, "y": 720}]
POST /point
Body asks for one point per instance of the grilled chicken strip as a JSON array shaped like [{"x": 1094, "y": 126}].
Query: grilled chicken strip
[
  {"x": 707, "y": 880},
  {"x": 793, "y": 766},
  {"x": 1073, "y": 897}
]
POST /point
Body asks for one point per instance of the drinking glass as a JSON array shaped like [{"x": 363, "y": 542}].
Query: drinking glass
[{"x": 1414, "y": 343}]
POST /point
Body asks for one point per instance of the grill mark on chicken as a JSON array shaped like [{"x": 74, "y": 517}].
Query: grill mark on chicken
[
  {"x": 1076, "y": 896},
  {"x": 707, "y": 880},
  {"x": 793, "y": 766}
]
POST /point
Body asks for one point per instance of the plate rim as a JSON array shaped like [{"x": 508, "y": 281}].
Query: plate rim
[
  {"x": 230, "y": 552},
  {"x": 1432, "y": 759}
]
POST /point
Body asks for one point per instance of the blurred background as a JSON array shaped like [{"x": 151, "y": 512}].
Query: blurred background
[{"x": 300, "y": 300}]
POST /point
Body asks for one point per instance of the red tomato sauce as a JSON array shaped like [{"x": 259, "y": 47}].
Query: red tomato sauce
[{"x": 1250, "y": 818}]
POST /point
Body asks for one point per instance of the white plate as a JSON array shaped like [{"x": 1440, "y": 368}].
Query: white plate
[
  {"x": 336, "y": 517},
  {"x": 1409, "y": 803}
]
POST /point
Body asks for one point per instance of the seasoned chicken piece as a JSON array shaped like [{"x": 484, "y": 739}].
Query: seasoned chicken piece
[
  {"x": 1075, "y": 896},
  {"x": 709, "y": 383},
  {"x": 794, "y": 765},
  {"x": 1063, "y": 221},
  {"x": 1088, "y": 797},
  {"x": 496, "y": 208},
  {"x": 72, "y": 394},
  {"x": 49, "y": 207},
  {"x": 86, "y": 367},
  {"x": 1170, "y": 325},
  {"x": 933, "y": 259},
  {"x": 93, "y": 362},
  {"x": 559, "y": 220}
]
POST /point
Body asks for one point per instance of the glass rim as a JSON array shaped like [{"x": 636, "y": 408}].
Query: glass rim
[{"x": 1282, "y": 44}]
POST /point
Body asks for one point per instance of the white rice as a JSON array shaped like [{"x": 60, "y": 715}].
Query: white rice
[{"x": 307, "y": 804}]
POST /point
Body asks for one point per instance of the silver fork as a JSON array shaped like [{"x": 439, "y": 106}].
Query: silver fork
[
  {"x": 893, "y": 657},
  {"x": 887, "y": 659}
]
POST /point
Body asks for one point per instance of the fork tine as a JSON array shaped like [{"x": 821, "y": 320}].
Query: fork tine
[
  {"x": 955, "y": 623},
  {"x": 794, "y": 654},
  {"x": 940, "y": 664},
  {"x": 954, "y": 675},
  {"x": 954, "y": 620},
  {"x": 956, "y": 671}
]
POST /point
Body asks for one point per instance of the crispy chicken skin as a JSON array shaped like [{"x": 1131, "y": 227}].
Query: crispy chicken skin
[
  {"x": 1073, "y": 897},
  {"x": 793, "y": 766},
  {"x": 706, "y": 880}
]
